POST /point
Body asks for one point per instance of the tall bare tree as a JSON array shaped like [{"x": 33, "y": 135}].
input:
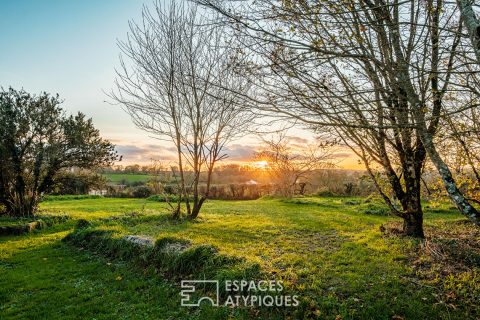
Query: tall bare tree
[
  {"x": 170, "y": 86},
  {"x": 378, "y": 73}
]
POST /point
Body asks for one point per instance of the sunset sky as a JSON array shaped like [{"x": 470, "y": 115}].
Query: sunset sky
[{"x": 70, "y": 48}]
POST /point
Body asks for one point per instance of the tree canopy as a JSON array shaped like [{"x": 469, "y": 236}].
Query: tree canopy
[{"x": 37, "y": 141}]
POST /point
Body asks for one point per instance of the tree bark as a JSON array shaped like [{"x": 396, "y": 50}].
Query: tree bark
[
  {"x": 196, "y": 208},
  {"x": 413, "y": 224},
  {"x": 472, "y": 24}
]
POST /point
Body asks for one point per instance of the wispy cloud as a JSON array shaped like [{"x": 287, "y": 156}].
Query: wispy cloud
[
  {"x": 144, "y": 153},
  {"x": 240, "y": 152}
]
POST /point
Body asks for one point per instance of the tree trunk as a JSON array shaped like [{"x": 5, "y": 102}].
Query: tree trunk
[
  {"x": 413, "y": 224},
  {"x": 176, "y": 211},
  {"x": 196, "y": 208},
  {"x": 412, "y": 204},
  {"x": 22, "y": 206}
]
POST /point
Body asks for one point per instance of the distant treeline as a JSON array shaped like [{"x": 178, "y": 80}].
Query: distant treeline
[{"x": 230, "y": 182}]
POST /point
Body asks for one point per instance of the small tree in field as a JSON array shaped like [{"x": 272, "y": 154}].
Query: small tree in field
[
  {"x": 178, "y": 85},
  {"x": 37, "y": 141}
]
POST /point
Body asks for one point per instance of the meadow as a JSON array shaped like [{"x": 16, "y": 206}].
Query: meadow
[
  {"x": 341, "y": 256},
  {"x": 118, "y": 178}
]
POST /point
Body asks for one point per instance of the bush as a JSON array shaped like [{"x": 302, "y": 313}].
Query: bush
[
  {"x": 141, "y": 192},
  {"x": 163, "y": 198},
  {"x": 78, "y": 183},
  {"x": 376, "y": 209},
  {"x": 325, "y": 193}
]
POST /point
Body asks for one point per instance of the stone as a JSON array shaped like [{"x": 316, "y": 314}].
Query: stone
[{"x": 140, "y": 240}]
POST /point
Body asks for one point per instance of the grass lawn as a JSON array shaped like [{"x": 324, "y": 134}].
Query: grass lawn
[
  {"x": 325, "y": 250},
  {"x": 118, "y": 177}
]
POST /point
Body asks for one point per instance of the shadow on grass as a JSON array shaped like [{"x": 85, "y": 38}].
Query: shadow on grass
[{"x": 51, "y": 280}]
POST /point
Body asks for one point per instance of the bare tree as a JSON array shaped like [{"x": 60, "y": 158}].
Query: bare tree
[
  {"x": 378, "y": 74},
  {"x": 287, "y": 167},
  {"x": 171, "y": 87}
]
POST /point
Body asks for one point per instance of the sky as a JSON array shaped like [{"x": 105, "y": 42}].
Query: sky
[{"x": 69, "y": 47}]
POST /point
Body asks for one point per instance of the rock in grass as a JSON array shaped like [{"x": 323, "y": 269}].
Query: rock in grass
[
  {"x": 22, "y": 228},
  {"x": 39, "y": 224},
  {"x": 140, "y": 240}
]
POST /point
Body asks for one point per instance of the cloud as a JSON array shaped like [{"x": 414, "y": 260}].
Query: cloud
[
  {"x": 144, "y": 153},
  {"x": 342, "y": 155},
  {"x": 240, "y": 152},
  {"x": 297, "y": 140}
]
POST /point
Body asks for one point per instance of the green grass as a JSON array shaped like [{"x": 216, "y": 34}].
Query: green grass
[
  {"x": 118, "y": 177},
  {"x": 326, "y": 250},
  {"x": 71, "y": 197}
]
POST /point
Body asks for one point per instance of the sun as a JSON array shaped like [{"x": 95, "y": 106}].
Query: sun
[{"x": 260, "y": 164}]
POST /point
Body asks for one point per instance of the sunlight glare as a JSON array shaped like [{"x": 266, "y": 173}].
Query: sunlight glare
[{"x": 261, "y": 164}]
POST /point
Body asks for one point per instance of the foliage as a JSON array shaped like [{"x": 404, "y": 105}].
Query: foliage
[
  {"x": 175, "y": 258},
  {"x": 18, "y": 226},
  {"x": 121, "y": 178},
  {"x": 163, "y": 198},
  {"x": 141, "y": 192},
  {"x": 78, "y": 182}
]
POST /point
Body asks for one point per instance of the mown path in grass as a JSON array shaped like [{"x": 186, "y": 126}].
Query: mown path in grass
[{"x": 326, "y": 250}]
